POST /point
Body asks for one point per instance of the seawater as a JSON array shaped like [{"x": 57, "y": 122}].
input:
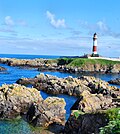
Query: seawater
[{"x": 14, "y": 73}]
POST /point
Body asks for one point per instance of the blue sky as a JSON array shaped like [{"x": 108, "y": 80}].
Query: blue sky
[{"x": 59, "y": 27}]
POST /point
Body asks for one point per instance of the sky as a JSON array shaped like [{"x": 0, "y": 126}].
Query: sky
[{"x": 59, "y": 27}]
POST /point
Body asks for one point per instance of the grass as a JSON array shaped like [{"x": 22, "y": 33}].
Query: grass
[
  {"x": 113, "y": 114},
  {"x": 78, "y": 62},
  {"x": 113, "y": 126}
]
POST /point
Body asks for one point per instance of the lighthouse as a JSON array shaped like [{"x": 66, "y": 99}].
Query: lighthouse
[{"x": 94, "y": 51}]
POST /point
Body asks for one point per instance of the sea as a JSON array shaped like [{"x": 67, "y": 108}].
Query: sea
[{"x": 12, "y": 74}]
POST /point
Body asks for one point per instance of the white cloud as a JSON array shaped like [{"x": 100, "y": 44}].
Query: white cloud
[
  {"x": 55, "y": 23},
  {"x": 100, "y": 27},
  {"x": 9, "y": 21}
]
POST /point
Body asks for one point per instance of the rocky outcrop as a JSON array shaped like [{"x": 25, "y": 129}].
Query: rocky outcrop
[
  {"x": 91, "y": 103},
  {"x": 70, "y": 86},
  {"x": 2, "y": 69},
  {"x": 85, "y": 123},
  {"x": 89, "y": 113},
  {"x": 16, "y": 100},
  {"x": 87, "y": 68},
  {"x": 50, "y": 111},
  {"x": 116, "y": 81},
  {"x": 88, "y": 123},
  {"x": 28, "y": 62}
]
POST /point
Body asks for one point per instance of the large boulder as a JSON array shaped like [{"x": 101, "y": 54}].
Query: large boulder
[
  {"x": 106, "y": 122},
  {"x": 89, "y": 103},
  {"x": 80, "y": 123},
  {"x": 49, "y": 111},
  {"x": 16, "y": 99}
]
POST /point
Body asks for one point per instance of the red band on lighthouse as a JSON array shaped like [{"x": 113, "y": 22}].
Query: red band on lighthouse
[{"x": 94, "y": 48}]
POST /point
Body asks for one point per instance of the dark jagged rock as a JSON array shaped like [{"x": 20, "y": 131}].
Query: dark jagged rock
[
  {"x": 85, "y": 123},
  {"x": 49, "y": 111},
  {"x": 116, "y": 81}
]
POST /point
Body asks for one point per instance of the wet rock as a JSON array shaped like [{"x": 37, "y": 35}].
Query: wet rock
[
  {"x": 116, "y": 81},
  {"x": 2, "y": 69}
]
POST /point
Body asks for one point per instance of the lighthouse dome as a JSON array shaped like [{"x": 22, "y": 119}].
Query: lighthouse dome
[{"x": 95, "y": 35}]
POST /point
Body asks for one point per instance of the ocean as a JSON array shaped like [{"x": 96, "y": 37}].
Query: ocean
[{"x": 14, "y": 73}]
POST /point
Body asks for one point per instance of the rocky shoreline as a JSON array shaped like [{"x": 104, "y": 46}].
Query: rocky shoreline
[
  {"x": 95, "y": 99},
  {"x": 59, "y": 65}
]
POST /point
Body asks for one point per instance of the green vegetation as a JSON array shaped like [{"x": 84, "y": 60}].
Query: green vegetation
[
  {"x": 51, "y": 61},
  {"x": 64, "y": 61},
  {"x": 76, "y": 113},
  {"x": 84, "y": 61},
  {"x": 113, "y": 127},
  {"x": 113, "y": 114}
]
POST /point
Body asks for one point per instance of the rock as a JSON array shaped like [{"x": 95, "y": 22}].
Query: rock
[
  {"x": 90, "y": 103},
  {"x": 50, "y": 111},
  {"x": 2, "y": 69},
  {"x": 55, "y": 85},
  {"x": 91, "y": 112},
  {"x": 116, "y": 81},
  {"x": 85, "y": 123},
  {"x": 113, "y": 71},
  {"x": 16, "y": 99},
  {"x": 71, "y": 86},
  {"x": 28, "y": 62}
]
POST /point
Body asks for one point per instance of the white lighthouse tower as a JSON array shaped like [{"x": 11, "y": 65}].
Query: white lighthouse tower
[{"x": 94, "y": 51}]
